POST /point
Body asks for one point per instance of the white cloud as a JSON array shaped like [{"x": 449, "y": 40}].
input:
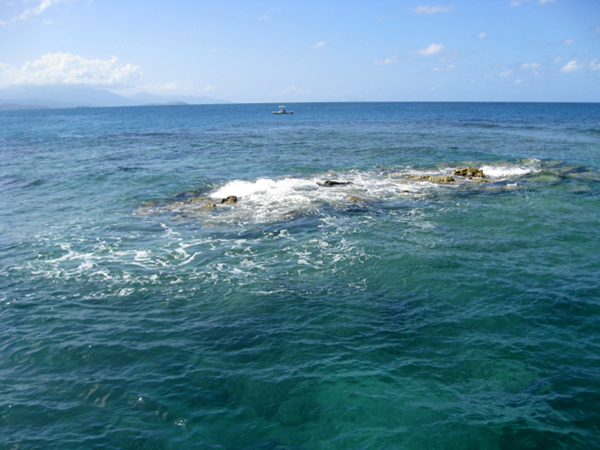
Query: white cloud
[
  {"x": 449, "y": 68},
  {"x": 65, "y": 68},
  {"x": 390, "y": 60},
  {"x": 518, "y": 81},
  {"x": 595, "y": 65},
  {"x": 320, "y": 44},
  {"x": 569, "y": 41},
  {"x": 482, "y": 35},
  {"x": 36, "y": 10},
  {"x": 431, "y": 50},
  {"x": 506, "y": 73},
  {"x": 572, "y": 66},
  {"x": 541, "y": 2},
  {"x": 531, "y": 66},
  {"x": 209, "y": 88},
  {"x": 432, "y": 9}
]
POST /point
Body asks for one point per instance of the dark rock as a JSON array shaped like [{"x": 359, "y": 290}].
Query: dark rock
[
  {"x": 209, "y": 205},
  {"x": 232, "y": 199},
  {"x": 330, "y": 183}
]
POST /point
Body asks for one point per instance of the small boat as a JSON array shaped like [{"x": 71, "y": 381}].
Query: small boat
[{"x": 282, "y": 110}]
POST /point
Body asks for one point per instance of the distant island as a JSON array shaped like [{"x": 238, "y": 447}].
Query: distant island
[
  {"x": 75, "y": 96},
  {"x": 16, "y": 106}
]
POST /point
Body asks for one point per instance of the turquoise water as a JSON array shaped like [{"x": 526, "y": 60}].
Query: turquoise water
[{"x": 416, "y": 315}]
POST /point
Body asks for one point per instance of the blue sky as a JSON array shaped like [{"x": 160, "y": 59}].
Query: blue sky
[{"x": 300, "y": 51}]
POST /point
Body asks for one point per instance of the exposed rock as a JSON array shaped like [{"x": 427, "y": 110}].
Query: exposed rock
[
  {"x": 479, "y": 180},
  {"x": 232, "y": 199},
  {"x": 330, "y": 183},
  {"x": 209, "y": 205},
  {"x": 443, "y": 179},
  {"x": 468, "y": 172}
]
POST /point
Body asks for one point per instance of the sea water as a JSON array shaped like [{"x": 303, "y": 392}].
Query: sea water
[{"x": 384, "y": 312}]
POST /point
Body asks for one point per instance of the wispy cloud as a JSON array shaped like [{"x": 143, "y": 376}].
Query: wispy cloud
[
  {"x": 320, "y": 44},
  {"x": 269, "y": 14},
  {"x": 482, "y": 35},
  {"x": 506, "y": 73},
  {"x": 449, "y": 68},
  {"x": 426, "y": 9},
  {"x": 571, "y": 66},
  {"x": 569, "y": 41},
  {"x": 520, "y": 2},
  {"x": 34, "y": 11},
  {"x": 65, "y": 68},
  {"x": 431, "y": 50},
  {"x": 531, "y": 66},
  {"x": 390, "y": 60}
]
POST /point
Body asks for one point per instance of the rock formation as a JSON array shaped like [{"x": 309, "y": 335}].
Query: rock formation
[
  {"x": 443, "y": 179},
  {"x": 470, "y": 172}
]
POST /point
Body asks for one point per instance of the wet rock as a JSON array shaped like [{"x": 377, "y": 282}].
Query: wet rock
[
  {"x": 330, "y": 183},
  {"x": 209, "y": 205},
  {"x": 470, "y": 172},
  {"x": 443, "y": 179},
  {"x": 232, "y": 199}
]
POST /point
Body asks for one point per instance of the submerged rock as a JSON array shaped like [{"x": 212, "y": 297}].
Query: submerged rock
[
  {"x": 197, "y": 199},
  {"x": 354, "y": 198},
  {"x": 330, "y": 183},
  {"x": 470, "y": 171}
]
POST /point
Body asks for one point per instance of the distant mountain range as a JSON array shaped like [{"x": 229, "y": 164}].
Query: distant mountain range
[{"x": 35, "y": 97}]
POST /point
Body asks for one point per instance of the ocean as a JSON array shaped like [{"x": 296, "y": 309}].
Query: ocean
[{"x": 344, "y": 297}]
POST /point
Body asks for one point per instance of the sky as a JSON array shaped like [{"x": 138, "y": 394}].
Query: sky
[{"x": 285, "y": 51}]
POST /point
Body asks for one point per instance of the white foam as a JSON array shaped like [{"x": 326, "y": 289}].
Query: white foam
[
  {"x": 507, "y": 171},
  {"x": 261, "y": 187}
]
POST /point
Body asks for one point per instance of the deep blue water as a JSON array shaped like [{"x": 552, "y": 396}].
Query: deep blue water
[{"x": 389, "y": 313}]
